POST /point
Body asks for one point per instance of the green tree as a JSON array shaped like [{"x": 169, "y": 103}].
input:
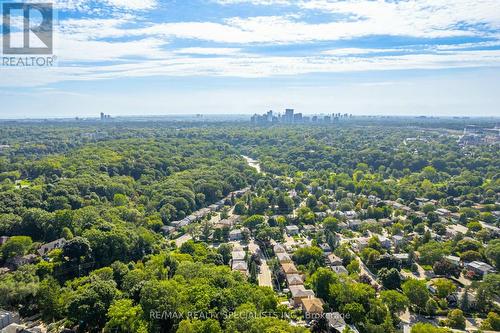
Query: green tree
[
  {"x": 76, "y": 249},
  {"x": 456, "y": 319},
  {"x": 89, "y": 305},
  {"x": 493, "y": 252},
  {"x": 390, "y": 278},
  {"x": 321, "y": 281},
  {"x": 123, "y": 316},
  {"x": 431, "y": 307},
  {"x": 305, "y": 255},
  {"x": 395, "y": 301},
  {"x": 16, "y": 246},
  {"x": 50, "y": 300},
  {"x": 428, "y": 328},
  {"x": 492, "y": 322},
  {"x": 417, "y": 292},
  {"x": 444, "y": 287}
]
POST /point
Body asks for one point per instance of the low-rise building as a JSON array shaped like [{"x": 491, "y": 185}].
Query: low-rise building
[
  {"x": 340, "y": 269},
  {"x": 354, "y": 224},
  {"x": 455, "y": 261},
  {"x": 235, "y": 235},
  {"x": 326, "y": 248},
  {"x": 294, "y": 280},
  {"x": 4, "y": 239},
  {"x": 361, "y": 243},
  {"x": 479, "y": 268},
  {"x": 240, "y": 266},
  {"x": 167, "y": 230},
  {"x": 398, "y": 240},
  {"x": 299, "y": 292},
  {"x": 455, "y": 229},
  {"x": 312, "y": 307},
  {"x": 7, "y": 318},
  {"x": 404, "y": 258},
  {"x": 289, "y": 268},
  {"x": 333, "y": 260},
  {"x": 238, "y": 255},
  {"x": 283, "y": 258},
  {"x": 278, "y": 248},
  {"x": 443, "y": 212},
  {"x": 46, "y": 248},
  {"x": 351, "y": 214},
  {"x": 385, "y": 242},
  {"x": 292, "y": 230}
]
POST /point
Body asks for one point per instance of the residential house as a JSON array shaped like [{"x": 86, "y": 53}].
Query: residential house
[
  {"x": 4, "y": 239},
  {"x": 7, "y": 318},
  {"x": 340, "y": 269},
  {"x": 278, "y": 248},
  {"x": 299, "y": 292},
  {"x": 403, "y": 258},
  {"x": 238, "y": 255},
  {"x": 443, "y": 212},
  {"x": 294, "y": 280},
  {"x": 455, "y": 261},
  {"x": 351, "y": 214},
  {"x": 326, "y": 248},
  {"x": 240, "y": 266},
  {"x": 167, "y": 230},
  {"x": 46, "y": 248},
  {"x": 385, "y": 242},
  {"x": 455, "y": 229},
  {"x": 385, "y": 222},
  {"x": 354, "y": 224},
  {"x": 309, "y": 228},
  {"x": 289, "y": 268},
  {"x": 455, "y": 217},
  {"x": 235, "y": 235},
  {"x": 229, "y": 222},
  {"x": 320, "y": 215},
  {"x": 494, "y": 230},
  {"x": 312, "y": 307},
  {"x": 333, "y": 260},
  {"x": 292, "y": 230},
  {"x": 398, "y": 240},
  {"x": 336, "y": 323},
  {"x": 479, "y": 268},
  {"x": 283, "y": 258},
  {"x": 17, "y": 328},
  {"x": 361, "y": 243}
]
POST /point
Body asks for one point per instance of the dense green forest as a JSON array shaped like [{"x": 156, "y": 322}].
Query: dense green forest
[{"x": 108, "y": 189}]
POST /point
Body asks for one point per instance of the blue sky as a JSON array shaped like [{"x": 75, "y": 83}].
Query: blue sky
[{"x": 153, "y": 57}]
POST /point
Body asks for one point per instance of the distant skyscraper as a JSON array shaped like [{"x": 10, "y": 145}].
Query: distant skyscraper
[
  {"x": 270, "y": 115},
  {"x": 289, "y": 115},
  {"x": 102, "y": 115}
]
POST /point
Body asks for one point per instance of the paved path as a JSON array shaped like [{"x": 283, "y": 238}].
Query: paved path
[
  {"x": 265, "y": 278},
  {"x": 253, "y": 163}
]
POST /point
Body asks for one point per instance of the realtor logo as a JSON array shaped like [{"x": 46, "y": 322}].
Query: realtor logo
[{"x": 27, "y": 28}]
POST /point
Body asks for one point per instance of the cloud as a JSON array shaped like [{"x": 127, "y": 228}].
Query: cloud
[
  {"x": 250, "y": 67},
  {"x": 95, "y": 6},
  {"x": 125, "y": 43},
  {"x": 221, "y": 51}
]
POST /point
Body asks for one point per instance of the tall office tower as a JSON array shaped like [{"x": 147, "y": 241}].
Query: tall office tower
[
  {"x": 270, "y": 115},
  {"x": 289, "y": 115}
]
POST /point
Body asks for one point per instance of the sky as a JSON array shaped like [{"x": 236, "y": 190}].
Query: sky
[{"x": 365, "y": 57}]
